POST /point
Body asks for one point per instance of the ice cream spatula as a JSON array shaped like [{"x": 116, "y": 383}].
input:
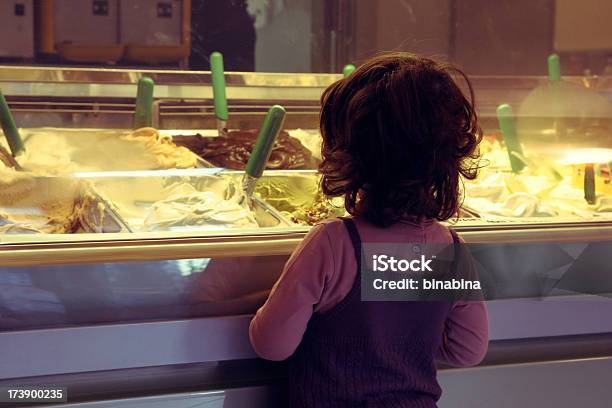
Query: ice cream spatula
[
  {"x": 14, "y": 139},
  {"x": 10, "y": 131},
  {"x": 272, "y": 125},
  {"x": 505, "y": 119},
  {"x": 217, "y": 73},
  {"x": 13, "y": 188},
  {"x": 348, "y": 70},
  {"x": 143, "y": 114}
]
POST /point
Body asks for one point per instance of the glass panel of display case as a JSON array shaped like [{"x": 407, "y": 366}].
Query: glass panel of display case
[
  {"x": 211, "y": 201},
  {"x": 63, "y": 295},
  {"x": 196, "y": 200}
]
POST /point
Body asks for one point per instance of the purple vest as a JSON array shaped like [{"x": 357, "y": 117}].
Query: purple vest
[{"x": 369, "y": 354}]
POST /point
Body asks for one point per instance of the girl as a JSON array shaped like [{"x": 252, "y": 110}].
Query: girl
[{"x": 398, "y": 134}]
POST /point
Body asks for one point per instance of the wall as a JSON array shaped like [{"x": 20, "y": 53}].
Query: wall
[
  {"x": 583, "y": 25},
  {"x": 402, "y": 25},
  {"x": 413, "y": 25},
  {"x": 16, "y": 31},
  {"x": 503, "y": 37},
  {"x": 284, "y": 37}
]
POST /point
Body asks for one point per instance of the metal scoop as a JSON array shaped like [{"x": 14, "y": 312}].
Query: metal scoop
[
  {"x": 11, "y": 133},
  {"x": 273, "y": 123},
  {"x": 217, "y": 73},
  {"x": 143, "y": 114}
]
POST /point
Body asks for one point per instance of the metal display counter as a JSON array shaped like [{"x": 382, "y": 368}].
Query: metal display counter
[{"x": 142, "y": 319}]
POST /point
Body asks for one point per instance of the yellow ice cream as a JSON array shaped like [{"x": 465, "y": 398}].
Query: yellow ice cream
[
  {"x": 52, "y": 151},
  {"x": 297, "y": 196},
  {"x": 44, "y": 205}
]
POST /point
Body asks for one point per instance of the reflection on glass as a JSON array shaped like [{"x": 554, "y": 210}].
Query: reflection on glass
[
  {"x": 508, "y": 37},
  {"x": 68, "y": 295}
]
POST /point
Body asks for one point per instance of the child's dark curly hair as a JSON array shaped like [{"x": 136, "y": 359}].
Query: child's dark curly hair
[{"x": 397, "y": 135}]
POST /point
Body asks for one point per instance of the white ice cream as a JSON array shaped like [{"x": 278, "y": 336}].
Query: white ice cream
[
  {"x": 541, "y": 190},
  {"x": 163, "y": 203},
  {"x": 199, "y": 210}
]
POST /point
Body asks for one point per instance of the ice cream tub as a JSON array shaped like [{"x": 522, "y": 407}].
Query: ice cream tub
[
  {"x": 296, "y": 195},
  {"x": 99, "y": 217},
  {"x": 232, "y": 151},
  {"x": 181, "y": 200},
  {"x": 57, "y": 151},
  {"x": 52, "y": 205},
  {"x": 577, "y": 163}
]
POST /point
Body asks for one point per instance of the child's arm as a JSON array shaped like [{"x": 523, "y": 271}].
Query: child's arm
[
  {"x": 278, "y": 327},
  {"x": 466, "y": 334}
]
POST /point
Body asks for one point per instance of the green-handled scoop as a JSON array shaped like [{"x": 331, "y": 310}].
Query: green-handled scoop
[
  {"x": 10, "y": 129},
  {"x": 217, "y": 73},
  {"x": 505, "y": 118},
  {"x": 143, "y": 115},
  {"x": 554, "y": 68},
  {"x": 348, "y": 70},
  {"x": 273, "y": 123},
  {"x": 589, "y": 184}
]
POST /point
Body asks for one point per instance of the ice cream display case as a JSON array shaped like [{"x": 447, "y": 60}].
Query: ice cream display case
[{"x": 132, "y": 257}]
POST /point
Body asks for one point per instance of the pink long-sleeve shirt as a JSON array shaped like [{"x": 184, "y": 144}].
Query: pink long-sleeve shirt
[{"x": 321, "y": 272}]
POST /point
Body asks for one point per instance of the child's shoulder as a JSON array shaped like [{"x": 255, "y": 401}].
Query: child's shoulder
[
  {"x": 327, "y": 233},
  {"x": 331, "y": 227},
  {"x": 334, "y": 229}
]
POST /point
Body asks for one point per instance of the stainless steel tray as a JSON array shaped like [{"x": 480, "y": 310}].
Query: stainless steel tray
[
  {"x": 99, "y": 217},
  {"x": 43, "y": 202},
  {"x": 131, "y": 194},
  {"x": 86, "y": 146},
  {"x": 304, "y": 136}
]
